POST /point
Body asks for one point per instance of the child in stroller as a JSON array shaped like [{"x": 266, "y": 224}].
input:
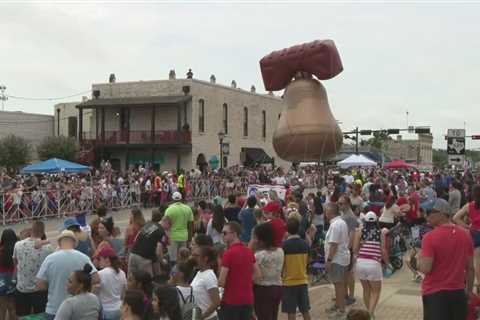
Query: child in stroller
[{"x": 418, "y": 232}]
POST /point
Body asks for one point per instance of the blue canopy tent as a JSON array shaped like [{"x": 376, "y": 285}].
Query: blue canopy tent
[{"x": 55, "y": 165}]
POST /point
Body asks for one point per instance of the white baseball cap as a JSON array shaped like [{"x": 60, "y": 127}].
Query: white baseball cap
[
  {"x": 370, "y": 216},
  {"x": 177, "y": 196}
]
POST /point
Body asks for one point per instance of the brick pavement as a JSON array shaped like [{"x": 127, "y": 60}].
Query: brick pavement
[{"x": 400, "y": 299}]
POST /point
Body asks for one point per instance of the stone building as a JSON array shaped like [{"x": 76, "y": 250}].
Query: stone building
[
  {"x": 173, "y": 123},
  {"x": 30, "y": 126},
  {"x": 416, "y": 151}
]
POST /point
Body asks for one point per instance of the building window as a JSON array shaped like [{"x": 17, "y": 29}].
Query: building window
[
  {"x": 245, "y": 122},
  {"x": 72, "y": 127},
  {"x": 264, "y": 124},
  {"x": 279, "y": 115},
  {"x": 225, "y": 118},
  {"x": 201, "y": 115}
]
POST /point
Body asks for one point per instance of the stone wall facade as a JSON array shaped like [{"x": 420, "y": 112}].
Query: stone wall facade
[
  {"x": 32, "y": 127},
  {"x": 213, "y": 97}
]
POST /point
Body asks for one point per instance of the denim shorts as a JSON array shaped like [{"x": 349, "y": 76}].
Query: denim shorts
[{"x": 475, "y": 237}]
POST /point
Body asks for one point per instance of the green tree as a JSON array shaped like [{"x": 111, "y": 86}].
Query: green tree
[
  {"x": 14, "y": 152},
  {"x": 439, "y": 158},
  {"x": 58, "y": 147},
  {"x": 379, "y": 140}
]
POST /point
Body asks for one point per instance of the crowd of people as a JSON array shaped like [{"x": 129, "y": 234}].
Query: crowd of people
[
  {"x": 247, "y": 256},
  {"x": 26, "y": 197}
]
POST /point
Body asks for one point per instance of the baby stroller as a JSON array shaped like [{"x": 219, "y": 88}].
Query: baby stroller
[
  {"x": 316, "y": 265},
  {"x": 397, "y": 245}
]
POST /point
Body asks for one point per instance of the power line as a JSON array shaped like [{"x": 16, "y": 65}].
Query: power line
[{"x": 47, "y": 99}]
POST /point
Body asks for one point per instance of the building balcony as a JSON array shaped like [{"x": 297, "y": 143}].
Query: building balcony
[{"x": 145, "y": 137}]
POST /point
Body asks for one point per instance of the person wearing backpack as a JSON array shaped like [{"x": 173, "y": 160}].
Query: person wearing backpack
[{"x": 180, "y": 278}]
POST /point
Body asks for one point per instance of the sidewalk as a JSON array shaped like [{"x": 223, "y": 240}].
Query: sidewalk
[{"x": 400, "y": 299}]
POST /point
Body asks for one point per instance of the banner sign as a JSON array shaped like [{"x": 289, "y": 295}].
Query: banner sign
[{"x": 263, "y": 189}]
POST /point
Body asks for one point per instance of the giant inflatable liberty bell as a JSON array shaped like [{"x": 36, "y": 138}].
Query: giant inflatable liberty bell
[{"x": 307, "y": 130}]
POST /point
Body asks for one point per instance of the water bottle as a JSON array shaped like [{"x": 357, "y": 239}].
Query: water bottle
[{"x": 197, "y": 313}]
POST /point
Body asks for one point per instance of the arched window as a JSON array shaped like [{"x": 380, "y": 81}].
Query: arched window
[
  {"x": 264, "y": 124},
  {"x": 245, "y": 122},
  {"x": 225, "y": 118},
  {"x": 201, "y": 115}
]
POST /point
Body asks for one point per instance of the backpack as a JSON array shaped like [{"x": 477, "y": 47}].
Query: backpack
[{"x": 189, "y": 307}]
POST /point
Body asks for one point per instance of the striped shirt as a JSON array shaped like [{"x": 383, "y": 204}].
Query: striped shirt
[
  {"x": 370, "y": 250},
  {"x": 370, "y": 247}
]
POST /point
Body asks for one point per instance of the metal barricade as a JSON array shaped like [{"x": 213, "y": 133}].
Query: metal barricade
[
  {"x": 18, "y": 206},
  {"x": 207, "y": 189}
]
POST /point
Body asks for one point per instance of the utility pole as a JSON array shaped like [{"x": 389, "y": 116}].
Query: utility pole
[
  {"x": 356, "y": 140},
  {"x": 3, "y": 97}
]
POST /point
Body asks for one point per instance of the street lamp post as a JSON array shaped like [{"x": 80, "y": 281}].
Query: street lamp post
[
  {"x": 221, "y": 136},
  {"x": 3, "y": 96}
]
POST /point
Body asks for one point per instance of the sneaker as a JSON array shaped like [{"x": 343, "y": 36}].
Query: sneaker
[
  {"x": 331, "y": 309},
  {"x": 349, "y": 301},
  {"x": 338, "y": 315}
]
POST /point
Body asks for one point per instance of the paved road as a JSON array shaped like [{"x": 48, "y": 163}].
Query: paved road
[{"x": 400, "y": 297}]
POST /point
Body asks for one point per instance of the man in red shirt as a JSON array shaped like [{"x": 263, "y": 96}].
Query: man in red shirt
[
  {"x": 446, "y": 259},
  {"x": 236, "y": 276}
]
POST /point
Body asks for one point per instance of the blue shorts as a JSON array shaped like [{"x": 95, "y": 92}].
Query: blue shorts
[
  {"x": 475, "y": 237},
  {"x": 295, "y": 297}
]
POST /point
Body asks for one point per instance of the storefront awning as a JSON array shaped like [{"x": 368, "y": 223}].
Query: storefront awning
[{"x": 256, "y": 155}]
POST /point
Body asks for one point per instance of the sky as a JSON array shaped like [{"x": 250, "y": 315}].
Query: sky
[{"x": 398, "y": 57}]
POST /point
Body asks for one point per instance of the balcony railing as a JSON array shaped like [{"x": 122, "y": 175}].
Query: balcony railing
[{"x": 140, "y": 137}]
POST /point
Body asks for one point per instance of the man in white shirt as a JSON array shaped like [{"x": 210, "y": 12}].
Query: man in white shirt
[
  {"x": 348, "y": 178},
  {"x": 337, "y": 256},
  {"x": 28, "y": 256}
]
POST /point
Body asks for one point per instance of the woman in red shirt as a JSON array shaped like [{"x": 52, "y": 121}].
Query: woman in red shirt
[
  {"x": 135, "y": 224},
  {"x": 472, "y": 211},
  {"x": 7, "y": 270}
]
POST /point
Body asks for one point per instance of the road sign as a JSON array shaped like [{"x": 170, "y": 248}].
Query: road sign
[
  {"x": 226, "y": 149},
  {"x": 456, "y": 146},
  {"x": 456, "y": 133},
  {"x": 476, "y": 137},
  {"x": 456, "y": 160}
]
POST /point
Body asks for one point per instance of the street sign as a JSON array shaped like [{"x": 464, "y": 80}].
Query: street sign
[
  {"x": 456, "y": 146},
  {"x": 456, "y": 133},
  {"x": 476, "y": 137},
  {"x": 456, "y": 160},
  {"x": 226, "y": 149}
]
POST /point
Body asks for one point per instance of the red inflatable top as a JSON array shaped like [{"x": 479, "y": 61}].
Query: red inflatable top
[{"x": 319, "y": 58}]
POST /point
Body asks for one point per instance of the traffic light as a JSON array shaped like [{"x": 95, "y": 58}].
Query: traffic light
[
  {"x": 393, "y": 131},
  {"x": 422, "y": 130},
  {"x": 476, "y": 137},
  {"x": 365, "y": 132}
]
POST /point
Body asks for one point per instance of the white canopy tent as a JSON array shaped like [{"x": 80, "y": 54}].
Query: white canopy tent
[{"x": 356, "y": 160}]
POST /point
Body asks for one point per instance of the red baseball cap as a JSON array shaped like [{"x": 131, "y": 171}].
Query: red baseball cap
[
  {"x": 106, "y": 252},
  {"x": 272, "y": 207}
]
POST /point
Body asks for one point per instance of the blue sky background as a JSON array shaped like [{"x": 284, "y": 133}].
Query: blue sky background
[{"x": 417, "y": 56}]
